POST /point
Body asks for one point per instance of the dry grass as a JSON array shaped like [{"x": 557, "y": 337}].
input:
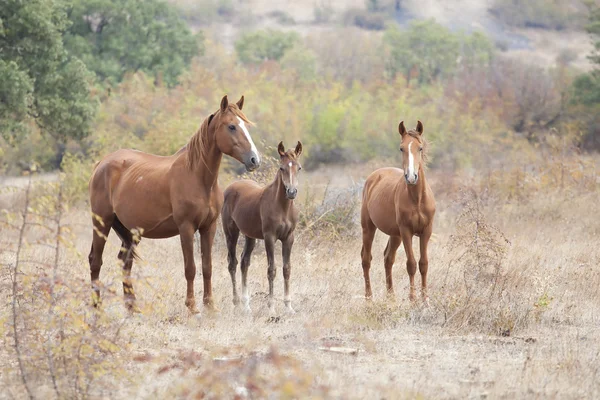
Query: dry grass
[{"x": 514, "y": 294}]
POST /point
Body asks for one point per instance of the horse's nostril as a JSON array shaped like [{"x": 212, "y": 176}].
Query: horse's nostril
[{"x": 253, "y": 160}]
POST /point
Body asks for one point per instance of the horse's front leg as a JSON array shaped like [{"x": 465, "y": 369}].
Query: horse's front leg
[
  {"x": 424, "y": 261},
  {"x": 186, "y": 234},
  {"x": 207, "y": 237},
  {"x": 286, "y": 252},
  {"x": 270, "y": 248},
  {"x": 411, "y": 263}
]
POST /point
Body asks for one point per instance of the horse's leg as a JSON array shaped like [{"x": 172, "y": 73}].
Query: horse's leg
[
  {"x": 231, "y": 235},
  {"x": 286, "y": 252},
  {"x": 126, "y": 257},
  {"x": 368, "y": 233},
  {"x": 271, "y": 271},
  {"x": 186, "y": 235},
  {"x": 424, "y": 261},
  {"x": 207, "y": 237},
  {"x": 246, "y": 257},
  {"x": 100, "y": 235},
  {"x": 389, "y": 258},
  {"x": 411, "y": 263}
]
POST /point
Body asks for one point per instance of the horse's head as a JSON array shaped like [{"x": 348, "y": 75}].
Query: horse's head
[
  {"x": 411, "y": 147},
  {"x": 232, "y": 136},
  {"x": 289, "y": 166}
]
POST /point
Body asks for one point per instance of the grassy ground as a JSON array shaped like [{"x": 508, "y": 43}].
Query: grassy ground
[{"x": 514, "y": 316}]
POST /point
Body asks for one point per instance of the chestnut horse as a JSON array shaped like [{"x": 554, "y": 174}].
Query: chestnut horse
[
  {"x": 265, "y": 213},
  {"x": 400, "y": 203},
  {"x": 168, "y": 196}
]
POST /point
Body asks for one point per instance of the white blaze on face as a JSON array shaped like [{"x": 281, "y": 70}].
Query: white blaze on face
[
  {"x": 290, "y": 169},
  {"x": 411, "y": 164},
  {"x": 245, "y": 130}
]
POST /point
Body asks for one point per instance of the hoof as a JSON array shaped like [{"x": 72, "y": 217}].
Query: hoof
[
  {"x": 133, "y": 309},
  {"x": 289, "y": 310}
]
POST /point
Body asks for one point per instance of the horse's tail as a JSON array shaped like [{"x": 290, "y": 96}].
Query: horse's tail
[{"x": 126, "y": 237}]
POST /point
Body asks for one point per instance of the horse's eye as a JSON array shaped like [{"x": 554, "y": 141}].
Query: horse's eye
[
  {"x": 299, "y": 168},
  {"x": 232, "y": 127},
  {"x": 281, "y": 168},
  {"x": 401, "y": 149},
  {"x": 420, "y": 149}
]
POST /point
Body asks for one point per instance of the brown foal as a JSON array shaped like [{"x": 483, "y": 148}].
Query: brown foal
[
  {"x": 400, "y": 203},
  {"x": 265, "y": 213},
  {"x": 168, "y": 196}
]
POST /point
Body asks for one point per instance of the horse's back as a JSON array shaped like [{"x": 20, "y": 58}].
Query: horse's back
[{"x": 378, "y": 199}]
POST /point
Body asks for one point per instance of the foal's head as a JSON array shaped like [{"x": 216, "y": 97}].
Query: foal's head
[
  {"x": 412, "y": 152},
  {"x": 289, "y": 166},
  {"x": 232, "y": 136}
]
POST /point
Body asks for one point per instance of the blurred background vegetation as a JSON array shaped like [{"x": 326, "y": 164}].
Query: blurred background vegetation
[{"x": 489, "y": 79}]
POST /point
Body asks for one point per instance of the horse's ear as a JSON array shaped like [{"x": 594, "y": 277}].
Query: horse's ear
[
  {"x": 298, "y": 149},
  {"x": 402, "y": 129},
  {"x": 281, "y": 149},
  {"x": 240, "y": 102},
  {"x": 420, "y": 127},
  {"x": 224, "y": 103}
]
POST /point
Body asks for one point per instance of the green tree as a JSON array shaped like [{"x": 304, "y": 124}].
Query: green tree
[
  {"x": 114, "y": 37},
  {"x": 431, "y": 51},
  {"x": 586, "y": 87},
  {"x": 264, "y": 45},
  {"x": 39, "y": 81}
]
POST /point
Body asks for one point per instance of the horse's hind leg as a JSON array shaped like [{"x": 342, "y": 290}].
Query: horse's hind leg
[
  {"x": 102, "y": 225},
  {"x": 232, "y": 234},
  {"x": 389, "y": 258},
  {"x": 246, "y": 257},
  {"x": 424, "y": 261},
  {"x": 368, "y": 233},
  {"x": 126, "y": 258}
]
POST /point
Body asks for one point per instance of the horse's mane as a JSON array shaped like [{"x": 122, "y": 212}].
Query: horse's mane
[
  {"x": 424, "y": 143},
  {"x": 199, "y": 141}
]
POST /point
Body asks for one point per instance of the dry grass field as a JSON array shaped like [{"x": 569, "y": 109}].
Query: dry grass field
[{"x": 514, "y": 287}]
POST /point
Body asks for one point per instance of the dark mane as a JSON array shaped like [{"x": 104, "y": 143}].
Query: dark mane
[{"x": 199, "y": 141}]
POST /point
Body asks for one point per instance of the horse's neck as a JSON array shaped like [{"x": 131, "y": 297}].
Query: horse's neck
[
  {"x": 417, "y": 192},
  {"x": 207, "y": 168},
  {"x": 277, "y": 190}
]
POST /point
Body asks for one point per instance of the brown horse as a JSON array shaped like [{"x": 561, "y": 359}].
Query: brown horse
[
  {"x": 400, "y": 203},
  {"x": 168, "y": 196},
  {"x": 265, "y": 213}
]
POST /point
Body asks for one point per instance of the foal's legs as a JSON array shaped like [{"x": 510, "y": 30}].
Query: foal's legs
[
  {"x": 126, "y": 257},
  {"x": 231, "y": 235},
  {"x": 424, "y": 261},
  {"x": 389, "y": 257},
  {"x": 368, "y": 233},
  {"x": 246, "y": 257},
  {"x": 286, "y": 252},
  {"x": 207, "y": 238},
  {"x": 186, "y": 235},
  {"x": 100, "y": 235},
  {"x": 411, "y": 263},
  {"x": 270, "y": 248}
]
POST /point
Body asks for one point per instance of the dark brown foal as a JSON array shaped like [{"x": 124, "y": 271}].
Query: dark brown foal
[{"x": 265, "y": 213}]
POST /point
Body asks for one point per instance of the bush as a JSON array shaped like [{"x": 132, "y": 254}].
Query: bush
[
  {"x": 323, "y": 12},
  {"x": 364, "y": 19},
  {"x": 259, "y": 46},
  {"x": 546, "y": 14}
]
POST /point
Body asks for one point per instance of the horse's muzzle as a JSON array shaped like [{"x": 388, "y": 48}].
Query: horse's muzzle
[
  {"x": 252, "y": 161},
  {"x": 291, "y": 193},
  {"x": 411, "y": 180}
]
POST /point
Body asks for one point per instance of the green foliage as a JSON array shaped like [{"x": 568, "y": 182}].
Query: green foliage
[
  {"x": 259, "y": 46},
  {"x": 547, "y": 14},
  {"x": 428, "y": 51},
  {"x": 301, "y": 60},
  {"x": 115, "y": 37},
  {"x": 40, "y": 81}
]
